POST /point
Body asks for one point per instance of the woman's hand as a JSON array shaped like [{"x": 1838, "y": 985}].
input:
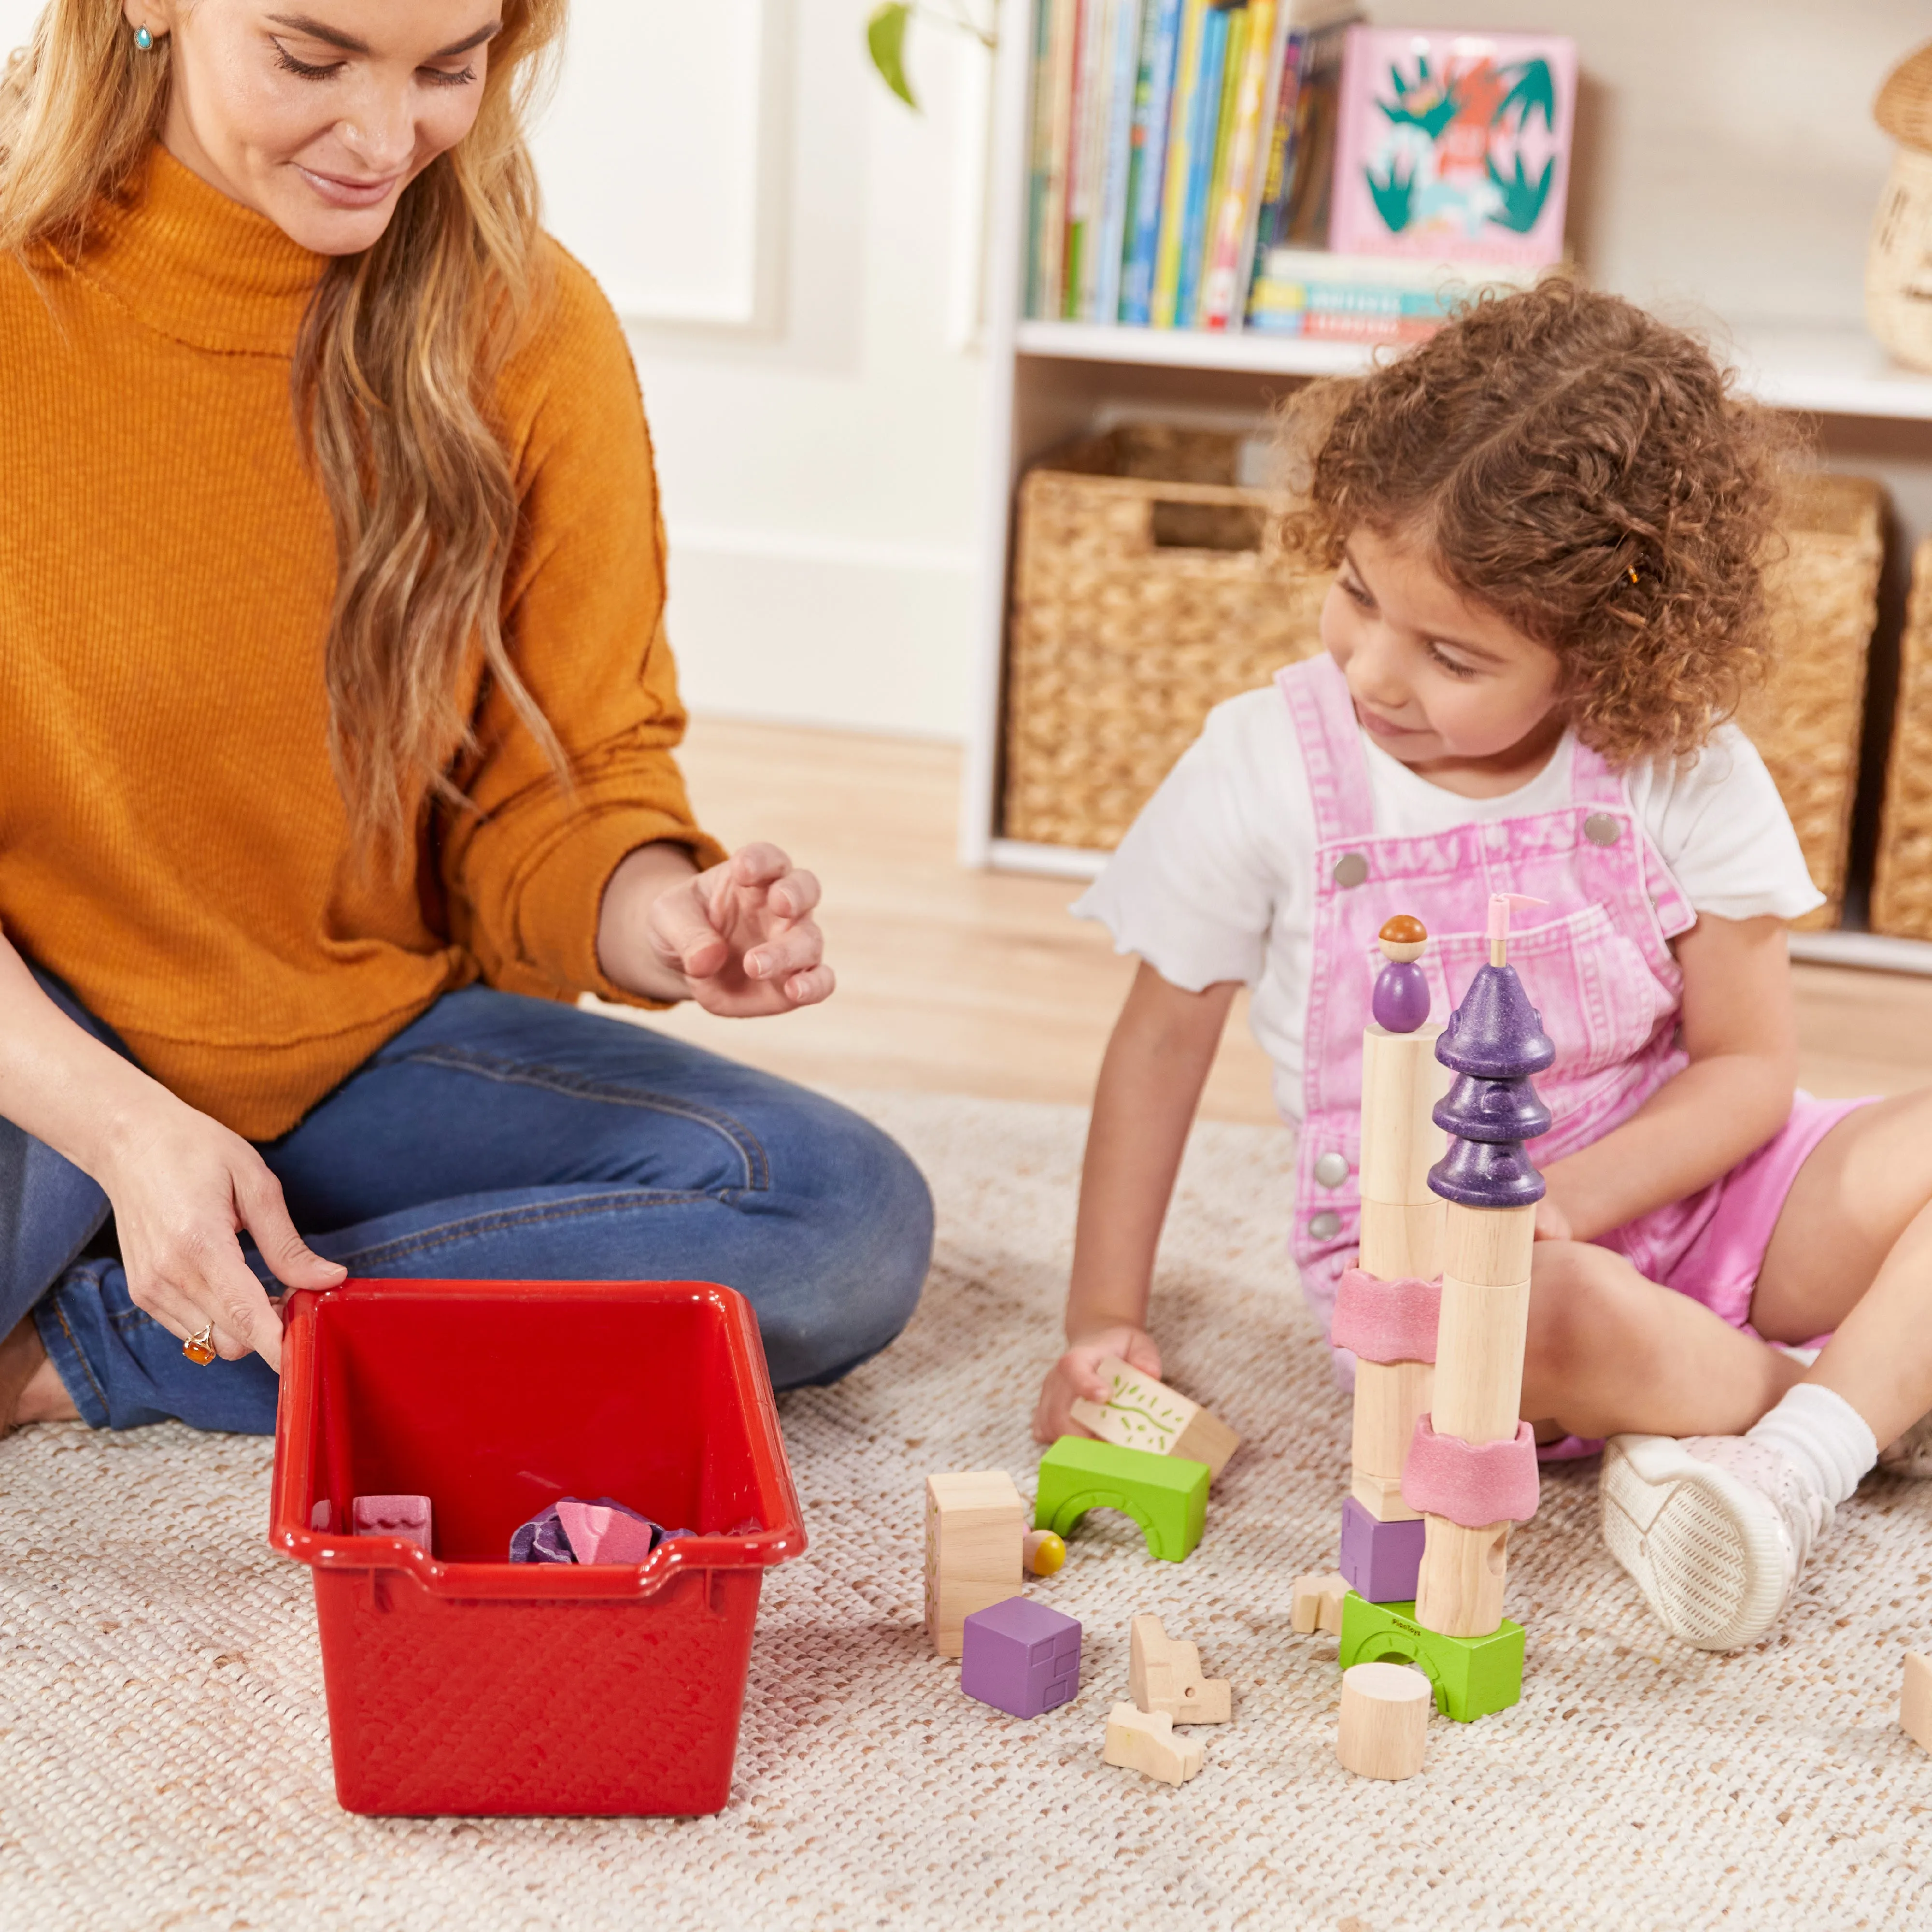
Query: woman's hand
[
  {"x": 182, "y": 1188},
  {"x": 1076, "y": 1376},
  {"x": 739, "y": 939}
]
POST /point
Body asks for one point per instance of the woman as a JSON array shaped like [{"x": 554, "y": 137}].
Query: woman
[{"x": 336, "y": 719}]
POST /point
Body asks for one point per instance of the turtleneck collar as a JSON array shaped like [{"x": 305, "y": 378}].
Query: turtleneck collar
[{"x": 194, "y": 264}]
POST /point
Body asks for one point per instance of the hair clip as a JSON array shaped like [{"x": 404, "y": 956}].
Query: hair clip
[{"x": 1632, "y": 575}]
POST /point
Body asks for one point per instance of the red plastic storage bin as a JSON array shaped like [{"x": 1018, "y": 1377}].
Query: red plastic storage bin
[{"x": 460, "y": 1682}]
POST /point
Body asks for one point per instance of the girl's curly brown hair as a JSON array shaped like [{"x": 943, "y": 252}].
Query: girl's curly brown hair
[{"x": 1583, "y": 470}]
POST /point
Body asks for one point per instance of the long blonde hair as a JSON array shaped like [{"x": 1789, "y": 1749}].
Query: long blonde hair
[{"x": 393, "y": 385}]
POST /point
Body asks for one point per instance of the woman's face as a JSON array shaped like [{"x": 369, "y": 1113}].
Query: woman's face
[{"x": 318, "y": 113}]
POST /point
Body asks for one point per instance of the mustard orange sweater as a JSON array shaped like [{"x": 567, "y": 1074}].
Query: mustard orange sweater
[{"x": 172, "y": 841}]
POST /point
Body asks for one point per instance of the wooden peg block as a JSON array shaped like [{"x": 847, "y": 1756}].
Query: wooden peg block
[
  {"x": 1141, "y": 1413},
  {"x": 1389, "y": 1397},
  {"x": 1385, "y": 1723},
  {"x": 975, "y": 1525},
  {"x": 1164, "y": 1674},
  {"x": 1402, "y": 1242},
  {"x": 1480, "y": 1338},
  {"x": 1915, "y": 1700},
  {"x": 1381, "y": 1496},
  {"x": 1317, "y": 1602},
  {"x": 1144, "y": 1741},
  {"x": 1487, "y": 1247},
  {"x": 1401, "y": 1080},
  {"x": 1459, "y": 1591}
]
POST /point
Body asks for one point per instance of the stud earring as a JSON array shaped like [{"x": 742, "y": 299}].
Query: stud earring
[{"x": 143, "y": 39}]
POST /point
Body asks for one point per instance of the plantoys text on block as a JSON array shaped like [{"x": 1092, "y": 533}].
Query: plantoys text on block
[
  {"x": 1020, "y": 1657},
  {"x": 1472, "y": 1676},
  {"x": 975, "y": 1521},
  {"x": 1140, "y": 1413},
  {"x": 1144, "y": 1741},
  {"x": 1167, "y": 1495},
  {"x": 1164, "y": 1675}
]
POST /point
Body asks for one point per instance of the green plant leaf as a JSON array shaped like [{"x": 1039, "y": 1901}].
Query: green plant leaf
[{"x": 885, "y": 41}]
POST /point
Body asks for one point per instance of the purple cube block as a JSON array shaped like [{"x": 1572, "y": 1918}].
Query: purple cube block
[
  {"x": 1380, "y": 1560},
  {"x": 1020, "y": 1657}
]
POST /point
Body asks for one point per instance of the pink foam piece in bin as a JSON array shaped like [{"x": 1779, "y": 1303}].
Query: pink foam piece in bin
[
  {"x": 601, "y": 1535},
  {"x": 393, "y": 1515},
  {"x": 1386, "y": 1321},
  {"x": 1474, "y": 1484}
]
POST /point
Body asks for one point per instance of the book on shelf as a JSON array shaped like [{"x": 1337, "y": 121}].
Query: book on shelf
[
  {"x": 1182, "y": 125},
  {"x": 1231, "y": 235},
  {"x": 1217, "y": 27},
  {"x": 1314, "y": 292},
  {"x": 1086, "y": 139},
  {"x": 1123, "y": 81},
  {"x": 1293, "y": 209},
  {"x": 1153, "y": 96}
]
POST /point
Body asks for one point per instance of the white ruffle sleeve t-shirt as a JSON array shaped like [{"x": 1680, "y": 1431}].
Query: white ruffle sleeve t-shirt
[{"x": 1215, "y": 879}]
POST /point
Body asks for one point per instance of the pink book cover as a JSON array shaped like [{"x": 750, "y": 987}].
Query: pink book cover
[{"x": 1453, "y": 146}]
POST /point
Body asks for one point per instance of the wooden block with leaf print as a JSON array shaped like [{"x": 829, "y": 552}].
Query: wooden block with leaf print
[{"x": 1140, "y": 1413}]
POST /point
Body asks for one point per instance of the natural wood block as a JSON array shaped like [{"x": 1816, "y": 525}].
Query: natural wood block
[
  {"x": 1488, "y": 1247},
  {"x": 1140, "y": 1413},
  {"x": 1389, "y": 1397},
  {"x": 1385, "y": 1724},
  {"x": 1317, "y": 1602},
  {"x": 1144, "y": 1741},
  {"x": 1164, "y": 1674},
  {"x": 1401, "y": 1080},
  {"x": 1479, "y": 1337},
  {"x": 1381, "y": 1496},
  {"x": 975, "y": 1521},
  {"x": 1460, "y": 1590},
  {"x": 1915, "y": 1700},
  {"x": 1402, "y": 1242}
]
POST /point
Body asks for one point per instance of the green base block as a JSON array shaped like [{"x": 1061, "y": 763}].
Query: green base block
[
  {"x": 1473, "y": 1675},
  {"x": 1167, "y": 1495}
]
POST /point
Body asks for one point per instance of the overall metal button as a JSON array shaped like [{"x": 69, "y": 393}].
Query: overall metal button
[
  {"x": 1600, "y": 828},
  {"x": 1351, "y": 869},
  {"x": 1332, "y": 1169},
  {"x": 1326, "y": 1226}
]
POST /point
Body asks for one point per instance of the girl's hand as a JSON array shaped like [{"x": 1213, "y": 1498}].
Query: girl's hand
[
  {"x": 182, "y": 1188},
  {"x": 1076, "y": 1375},
  {"x": 1552, "y": 1223}
]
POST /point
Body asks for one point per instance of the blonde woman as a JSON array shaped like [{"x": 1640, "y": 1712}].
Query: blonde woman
[{"x": 336, "y": 720}]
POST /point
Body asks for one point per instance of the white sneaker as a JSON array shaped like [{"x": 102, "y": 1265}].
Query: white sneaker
[
  {"x": 1911, "y": 1455},
  {"x": 1714, "y": 1528}
]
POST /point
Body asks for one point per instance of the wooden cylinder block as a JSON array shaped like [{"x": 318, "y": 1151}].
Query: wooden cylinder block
[
  {"x": 1401, "y": 1080},
  {"x": 1479, "y": 1345},
  {"x": 1389, "y": 1397},
  {"x": 1401, "y": 1241},
  {"x": 1488, "y": 1247},
  {"x": 1459, "y": 1592},
  {"x": 1385, "y": 1724}
]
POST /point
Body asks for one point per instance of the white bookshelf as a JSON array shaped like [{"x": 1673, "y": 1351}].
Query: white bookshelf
[{"x": 1049, "y": 381}]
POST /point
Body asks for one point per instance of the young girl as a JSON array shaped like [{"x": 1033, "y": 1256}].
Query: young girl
[{"x": 1548, "y": 523}]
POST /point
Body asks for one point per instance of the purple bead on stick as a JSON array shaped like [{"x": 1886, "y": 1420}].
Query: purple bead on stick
[{"x": 1400, "y": 1002}]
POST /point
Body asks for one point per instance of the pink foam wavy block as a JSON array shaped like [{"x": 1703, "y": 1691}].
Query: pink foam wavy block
[
  {"x": 1474, "y": 1484},
  {"x": 393, "y": 1515},
  {"x": 601, "y": 1535},
  {"x": 1387, "y": 1321}
]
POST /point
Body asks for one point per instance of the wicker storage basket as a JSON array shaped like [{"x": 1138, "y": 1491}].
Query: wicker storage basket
[
  {"x": 1902, "y": 890},
  {"x": 1807, "y": 721},
  {"x": 1147, "y": 587}
]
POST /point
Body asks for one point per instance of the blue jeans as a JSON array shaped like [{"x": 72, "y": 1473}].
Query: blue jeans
[{"x": 503, "y": 1138}]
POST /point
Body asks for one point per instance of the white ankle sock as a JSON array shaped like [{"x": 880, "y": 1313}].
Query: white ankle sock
[{"x": 1823, "y": 1437}]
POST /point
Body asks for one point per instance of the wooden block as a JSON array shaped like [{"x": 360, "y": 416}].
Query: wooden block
[
  {"x": 1144, "y": 1741},
  {"x": 1389, "y": 1397},
  {"x": 1487, "y": 1247},
  {"x": 1915, "y": 1700},
  {"x": 1459, "y": 1591},
  {"x": 1140, "y": 1413},
  {"x": 1402, "y": 1243},
  {"x": 1384, "y": 1723},
  {"x": 1164, "y": 1674},
  {"x": 975, "y": 1521},
  {"x": 1381, "y": 1496},
  {"x": 1317, "y": 1602},
  {"x": 1401, "y": 1080},
  {"x": 1479, "y": 1343}
]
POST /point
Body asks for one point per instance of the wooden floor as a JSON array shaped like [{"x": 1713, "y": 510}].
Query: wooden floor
[{"x": 979, "y": 982}]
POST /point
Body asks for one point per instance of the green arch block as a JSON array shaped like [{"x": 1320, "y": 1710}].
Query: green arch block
[
  {"x": 1167, "y": 1495},
  {"x": 1472, "y": 1676}
]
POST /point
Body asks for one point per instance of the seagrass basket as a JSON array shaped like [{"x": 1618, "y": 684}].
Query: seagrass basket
[
  {"x": 1902, "y": 888},
  {"x": 1148, "y": 586}
]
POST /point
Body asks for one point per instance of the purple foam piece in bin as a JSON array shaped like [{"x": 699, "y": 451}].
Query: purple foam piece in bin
[
  {"x": 1020, "y": 1657},
  {"x": 553, "y": 1535},
  {"x": 1381, "y": 1561},
  {"x": 1400, "y": 1001}
]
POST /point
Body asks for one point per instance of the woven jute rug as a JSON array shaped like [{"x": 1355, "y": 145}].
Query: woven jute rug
[{"x": 164, "y": 1749}]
